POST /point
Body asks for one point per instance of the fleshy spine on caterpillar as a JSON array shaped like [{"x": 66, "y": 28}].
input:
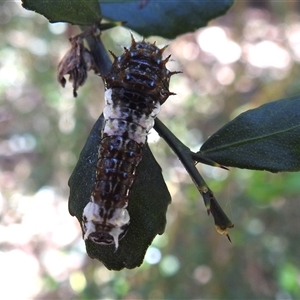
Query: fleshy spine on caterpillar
[{"x": 136, "y": 86}]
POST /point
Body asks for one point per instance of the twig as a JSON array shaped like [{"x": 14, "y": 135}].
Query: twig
[{"x": 185, "y": 155}]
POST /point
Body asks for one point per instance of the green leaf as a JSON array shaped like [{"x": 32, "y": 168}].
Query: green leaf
[
  {"x": 265, "y": 138},
  {"x": 168, "y": 18},
  {"x": 79, "y": 12},
  {"x": 147, "y": 207}
]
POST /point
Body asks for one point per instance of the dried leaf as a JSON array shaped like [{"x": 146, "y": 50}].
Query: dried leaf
[{"x": 76, "y": 62}]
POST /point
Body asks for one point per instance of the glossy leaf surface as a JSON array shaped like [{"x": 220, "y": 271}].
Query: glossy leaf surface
[
  {"x": 147, "y": 205},
  {"x": 83, "y": 12},
  {"x": 265, "y": 138}
]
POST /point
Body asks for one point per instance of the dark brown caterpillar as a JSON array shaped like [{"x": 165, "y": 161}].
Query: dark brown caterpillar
[{"x": 136, "y": 86}]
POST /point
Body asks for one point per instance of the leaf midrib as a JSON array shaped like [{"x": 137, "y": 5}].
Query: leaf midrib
[{"x": 249, "y": 140}]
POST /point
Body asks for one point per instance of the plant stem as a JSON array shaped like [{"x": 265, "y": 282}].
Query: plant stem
[
  {"x": 185, "y": 155},
  {"x": 99, "y": 53}
]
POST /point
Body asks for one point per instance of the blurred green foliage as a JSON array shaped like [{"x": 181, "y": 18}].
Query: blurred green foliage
[{"x": 43, "y": 129}]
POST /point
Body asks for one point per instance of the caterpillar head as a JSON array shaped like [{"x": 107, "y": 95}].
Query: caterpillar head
[{"x": 104, "y": 227}]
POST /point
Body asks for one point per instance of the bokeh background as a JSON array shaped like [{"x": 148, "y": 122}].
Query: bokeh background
[{"x": 240, "y": 61}]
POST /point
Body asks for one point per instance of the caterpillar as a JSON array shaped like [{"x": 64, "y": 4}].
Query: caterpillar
[{"x": 135, "y": 88}]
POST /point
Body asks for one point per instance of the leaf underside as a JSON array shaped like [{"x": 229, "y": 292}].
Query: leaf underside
[
  {"x": 168, "y": 18},
  {"x": 147, "y": 207},
  {"x": 265, "y": 138}
]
